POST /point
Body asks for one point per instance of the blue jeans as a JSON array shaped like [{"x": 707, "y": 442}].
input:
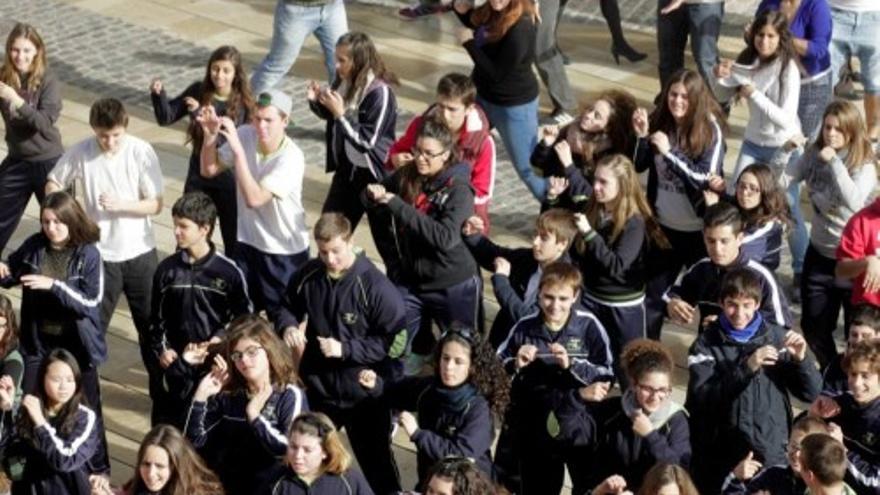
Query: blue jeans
[
  {"x": 774, "y": 157},
  {"x": 700, "y": 21},
  {"x": 518, "y": 126},
  {"x": 857, "y": 34},
  {"x": 289, "y": 30}
]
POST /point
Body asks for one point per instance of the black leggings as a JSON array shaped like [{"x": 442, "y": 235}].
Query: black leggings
[
  {"x": 687, "y": 249},
  {"x": 822, "y": 298}
]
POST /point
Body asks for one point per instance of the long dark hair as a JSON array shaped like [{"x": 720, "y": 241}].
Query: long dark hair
[
  {"x": 696, "y": 131},
  {"x": 364, "y": 58},
  {"x": 240, "y": 102},
  {"x": 618, "y": 130},
  {"x": 773, "y": 205},
  {"x": 785, "y": 53},
  {"x": 81, "y": 229},
  {"x": 663, "y": 474},
  {"x": 485, "y": 373},
  {"x": 189, "y": 473},
  {"x": 10, "y": 338},
  {"x": 65, "y": 420},
  {"x": 432, "y": 127}
]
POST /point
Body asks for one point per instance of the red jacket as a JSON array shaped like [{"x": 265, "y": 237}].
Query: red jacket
[
  {"x": 861, "y": 238},
  {"x": 474, "y": 143}
]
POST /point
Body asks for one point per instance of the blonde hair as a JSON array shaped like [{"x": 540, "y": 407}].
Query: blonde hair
[
  {"x": 853, "y": 127},
  {"x": 630, "y": 201},
  {"x": 319, "y": 425},
  {"x": 8, "y": 73}
]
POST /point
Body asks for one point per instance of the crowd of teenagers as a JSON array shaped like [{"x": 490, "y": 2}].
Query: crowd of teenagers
[{"x": 258, "y": 354}]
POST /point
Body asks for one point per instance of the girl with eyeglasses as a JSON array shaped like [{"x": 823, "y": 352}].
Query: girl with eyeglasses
[
  {"x": 56, "y": 433},
  {"x": 429, "y": 200},
  {"x": 764, "y": 209},
  {"x": 456, "y": 408},
  {"x": 240, "y": 414},
  {"x": 316, "y": 462},
  {"x": 644, "y": 426},
  {"x": 225, "y": 87}
]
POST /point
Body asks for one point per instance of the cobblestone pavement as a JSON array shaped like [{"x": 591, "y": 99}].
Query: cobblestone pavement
[{"x": 109, "y": 57}]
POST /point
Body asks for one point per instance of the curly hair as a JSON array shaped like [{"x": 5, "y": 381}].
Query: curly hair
[
  {"x": 642, "y": 356},
  {"x": 863, "y": 352},
  {"x": 486, "y": 372},
  {"x": 465, "y": 477}
]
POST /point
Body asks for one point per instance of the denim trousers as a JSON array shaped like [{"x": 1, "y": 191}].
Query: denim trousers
[
  {"x": 290, "y": 27},
  {"x": 700, "y": 21},
  {"x": 518, "y": 127}
]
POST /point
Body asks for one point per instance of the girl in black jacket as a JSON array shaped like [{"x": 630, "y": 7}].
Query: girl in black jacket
[
  {"x": 30, "y": 103},
  {"x": 316, "y": 462},
  {"x": 429, "y": 201},
  {"x": 361, "y": 113},
  {"x": 455, "y": 407},
  {"x": 226, "y": 88},
  {"x": 614, "y": 236},
  {"x": 644, "y": 426},
  {"x": 56, "y": 434}
]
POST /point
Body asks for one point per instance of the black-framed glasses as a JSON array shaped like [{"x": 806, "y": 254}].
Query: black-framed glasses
[
  {"x": 427, "y": 154},
  {"x": 656, "y": 392},
  {"x": 251, "y": 352}
]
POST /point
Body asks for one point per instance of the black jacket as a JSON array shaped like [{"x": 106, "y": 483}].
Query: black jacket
[
  {"x": 515, "y": 300},
  {"x": 776, "y": 480},
  {"x": 861, "y": 435},
  {"x": 283, "y": 481},
  {"x": 362, "y": 309},
  {"x": 614, "y": 271},
  {"x": 701, "y": 285},
  {"x": 427, "y": 236},
  {"x": 742, "y": 410}
]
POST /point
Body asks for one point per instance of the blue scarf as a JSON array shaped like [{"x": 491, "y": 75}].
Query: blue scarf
[
  {"x": 744, "y": 335},
  {"x": 452, "y": 400}
]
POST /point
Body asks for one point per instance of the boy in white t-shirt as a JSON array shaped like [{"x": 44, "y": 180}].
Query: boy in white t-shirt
[
  {"x": 273, "y": 240},
  {"x": 122, "y": 189}
]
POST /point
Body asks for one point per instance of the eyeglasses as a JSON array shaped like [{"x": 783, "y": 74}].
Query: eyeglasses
[
  {"x": 427, "y": 154},
  {"x": 658, "y": 392},
  {"x": 750, "y": 188},
  {"x": 250, "y": 353}
]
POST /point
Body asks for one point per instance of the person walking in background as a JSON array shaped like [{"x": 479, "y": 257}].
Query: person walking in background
[{"x": 293, "y": 21}]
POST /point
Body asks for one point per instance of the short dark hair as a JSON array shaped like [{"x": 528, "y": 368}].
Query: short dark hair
[
  {"x": 866, "y": 315},
  {"x": 108, "y": 113},
  {"x": 723, "y": 214},
  {"x": 197, "y": 207},
  {"x": 332, "y": 225},
  {"x": 458, "y": 86},
  {"x": 740, "y": 282},
  {"x": 825, "y": 457}
]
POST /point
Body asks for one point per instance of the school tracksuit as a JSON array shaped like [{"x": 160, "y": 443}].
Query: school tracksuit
[
  {"x": 453, "y": 422},
  {"x": 834, "y": 380},
  {"x": 579, "y": 175},
  {"x": 732, "y": 406},
  {"x": 701, "y": 284},
  {"x": 76, "y": 302},
  {"x": 243, "y": 452},
  {"x": 676, "y": 182},
  {"x": 192, "y": 302},
  {"x": 363, "y": 310},
  {"x": 55, "y": 462},
  {"x": 861, "y": 435},
  {"x": 517, "y": 294},
  {"x": 778, "y": 480},
  {"x": 539, "y": 388},
  {"x": 614, "y": 281},
  {"x": 763, "y": 243},
  {"x": 285, "y": 482}
]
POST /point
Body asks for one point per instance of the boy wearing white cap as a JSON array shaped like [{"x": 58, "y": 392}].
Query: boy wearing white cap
[{"x": 273, "y": 240}]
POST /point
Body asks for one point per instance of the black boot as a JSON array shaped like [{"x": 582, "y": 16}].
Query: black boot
[{"x": 619, "y": 47}]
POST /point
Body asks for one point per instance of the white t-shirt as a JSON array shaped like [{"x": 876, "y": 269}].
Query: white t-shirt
[
  {"x": 855, "y": 5},
  {"x": 131, "y": 174},
  {"x": 279, "y": 226}
]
